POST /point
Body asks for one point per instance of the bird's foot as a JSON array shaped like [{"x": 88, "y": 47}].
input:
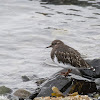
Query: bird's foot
[{"x": 66, "y": 73}]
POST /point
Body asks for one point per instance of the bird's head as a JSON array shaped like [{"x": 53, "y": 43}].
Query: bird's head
[{"x": 55, "y": 43}]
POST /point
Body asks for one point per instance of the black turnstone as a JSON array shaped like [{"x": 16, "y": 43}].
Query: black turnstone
[{"x": 66, "y": 56}]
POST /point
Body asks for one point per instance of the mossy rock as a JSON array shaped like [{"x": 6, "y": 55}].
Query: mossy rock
[
  {"x": 5, "y": 90},
  {"x": 21, "y": 93}
]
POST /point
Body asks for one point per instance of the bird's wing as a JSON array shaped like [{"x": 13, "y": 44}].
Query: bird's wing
[
  {"x": 77, "y": 60},
  {"x": 63, "y": 56},
  {"x": 71, "y": 56}
]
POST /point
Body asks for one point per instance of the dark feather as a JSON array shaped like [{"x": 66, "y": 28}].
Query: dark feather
[{"x": 69, "y": 55}]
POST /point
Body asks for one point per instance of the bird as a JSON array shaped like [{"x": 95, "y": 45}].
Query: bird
[{"x": 67, "y": 56}]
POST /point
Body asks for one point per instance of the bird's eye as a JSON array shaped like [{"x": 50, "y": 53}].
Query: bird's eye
[{"x": 54, "y": 43}]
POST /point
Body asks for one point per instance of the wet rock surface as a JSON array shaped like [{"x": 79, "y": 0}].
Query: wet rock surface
[
  {"x": 68, "y": 85},
  {"x": 37, "y": 91},
  {"x": 58, "y": 81},
  {"x": 25, "y": 78},
  {"x": 74, "y": 82},
  {"x": 4, "y": 90},
  {"x": 22, "y": 94},
  {"x": 96, "y": 64},
  {"x": 71, "y": 2},
  {"x": 81, "y": 86},
  {"x": 40, "y": 81}
]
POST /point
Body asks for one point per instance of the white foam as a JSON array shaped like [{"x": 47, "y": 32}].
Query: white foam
[{"x": 3, "y": 98}]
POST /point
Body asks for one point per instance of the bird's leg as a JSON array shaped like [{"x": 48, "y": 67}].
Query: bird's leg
[{"x": 66, "y": 73}]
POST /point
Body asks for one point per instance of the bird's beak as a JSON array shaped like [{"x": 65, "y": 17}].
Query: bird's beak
[{"x": 49, "y": 46}]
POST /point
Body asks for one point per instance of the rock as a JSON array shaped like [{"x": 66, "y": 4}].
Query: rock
[
  {"x": 80, "y": 83},
  {"x": 34, "y": 77},
  {"x": 95, "y": 62},
  {"x": 97, "y": 81},
  {"x": 67, "y": 2},
  {"x": 32, "y": 96},
  {"x": 22, "y": 94},
  {"x": 89, "y": 73},
  {"x": 40, "y": 81},
  {"x": 72, "y": 83},
  {"x": 97, "y": 96},
  {"x": 25, "y": 78},
  {"x": 60, "y": 82},
  {"x": 80, "y": 87},
  {"x": 4, "y": 90},
  {"x": 98, "y": 88}
]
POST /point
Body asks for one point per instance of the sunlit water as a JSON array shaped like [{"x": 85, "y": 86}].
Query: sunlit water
[{"x": 27, "y": 27}]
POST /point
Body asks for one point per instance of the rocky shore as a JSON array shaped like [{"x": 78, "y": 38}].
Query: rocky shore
[
  {"x": 86, "y": 83},
  {"x": 27, "y": 26}
]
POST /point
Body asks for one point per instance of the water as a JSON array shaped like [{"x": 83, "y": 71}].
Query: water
[{"x": 27, "y": 27}]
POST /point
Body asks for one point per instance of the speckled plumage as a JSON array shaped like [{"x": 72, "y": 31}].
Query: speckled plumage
[{"x": 67, "y": 55}]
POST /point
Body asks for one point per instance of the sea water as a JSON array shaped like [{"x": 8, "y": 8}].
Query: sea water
[{"x": 28, "y": 27}]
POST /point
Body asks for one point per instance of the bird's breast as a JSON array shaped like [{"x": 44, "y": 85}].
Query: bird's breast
[{"x": 61, "y": 64}]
